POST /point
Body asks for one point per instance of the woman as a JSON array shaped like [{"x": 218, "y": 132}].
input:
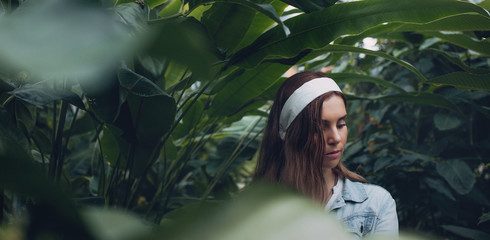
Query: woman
[{"x": 302, "y": 147}]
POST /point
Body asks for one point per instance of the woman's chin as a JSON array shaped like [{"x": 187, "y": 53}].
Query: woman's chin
[{"x": 331, "y": 163}]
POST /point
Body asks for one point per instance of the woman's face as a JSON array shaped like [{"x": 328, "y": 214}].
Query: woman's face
[{"x": 335, "y": 130}]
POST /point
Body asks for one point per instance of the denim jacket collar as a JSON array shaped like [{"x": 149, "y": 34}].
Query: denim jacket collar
[{"x": 353, "y": 191}]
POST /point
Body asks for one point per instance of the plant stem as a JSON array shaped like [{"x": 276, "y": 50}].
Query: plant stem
[
  {"x": 58, "y": 149},
  {"x": 52, "y": 160}
]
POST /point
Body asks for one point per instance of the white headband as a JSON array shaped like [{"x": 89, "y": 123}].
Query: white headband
[{"x": 301, "y": 97}]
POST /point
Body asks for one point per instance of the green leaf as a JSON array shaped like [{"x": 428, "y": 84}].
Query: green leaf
[
  {"x": 346, "y": 48},
  {"x": 311, "y": 5},
  {"x": 318, "y": 29},
  {"x": 10, "y": 132},
  {"x": 227, "y": 24},
  {"x": 428, "y": 99},
  {"x": 132, "y": 15},
  {"x": 112, "y": 224},
  {"x": 41, "y": 95},
  {"x": 246, "y": 88},
  {"x": 464, "y": 80},
  {"x": 62, "y": 39},
  {"x": 260, "y": 24},
  {"x": 172, "y": 9},
  {"x": 484, "y": 218},
  {"x": 458, "y": 174},
  {"x": 439, "y": 186},
  {"x": 445, "y": 122},
  {"x": 154, "y": 3},
  {"x": 258, "y": 212},
  {"x": 455, "y": 59},
  {"x": 481, "y": 46},
  {"x": 265, "y": 9},
  {"x": 137, "y": 84},
  {"x": 354, "y": 78},
  {"x": 113, "y": 148},
  {"x": 460, "y": 22},
  {"x": 467, "y": 232},
  {"x": 184, "y": 40},
  {"x": 152, "y": 110}
]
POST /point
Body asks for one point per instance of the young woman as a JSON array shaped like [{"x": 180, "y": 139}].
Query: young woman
[{"x": 302, "y": 147}]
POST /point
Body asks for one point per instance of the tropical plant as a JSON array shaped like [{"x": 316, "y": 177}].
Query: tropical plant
[{"x": 155, "y": 106}]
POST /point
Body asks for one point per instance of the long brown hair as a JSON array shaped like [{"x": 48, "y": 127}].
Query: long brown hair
[{"x": 297, "y": 160}]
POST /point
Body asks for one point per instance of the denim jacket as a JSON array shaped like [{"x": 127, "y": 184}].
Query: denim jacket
[{"x": 366, "y": 210}]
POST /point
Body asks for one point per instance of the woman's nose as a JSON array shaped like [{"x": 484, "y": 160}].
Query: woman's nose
[{"x": 333, "y": 136}]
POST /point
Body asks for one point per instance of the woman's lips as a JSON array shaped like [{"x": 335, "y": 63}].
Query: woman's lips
[{"x": 334, "y": 154}]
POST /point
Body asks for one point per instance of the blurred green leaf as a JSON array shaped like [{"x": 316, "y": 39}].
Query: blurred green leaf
[
  {"x": 113, "y": 224},
  {"x": 467, "y": 232},
  {"x": 440, "y": 187},
  {"x": 40, "y": 95},
  {"x": 458, "y": 174},
  {"x": 445, "y": 122},
  {"x": 260, "y": 212},
  {"x": 484, "y": 218},
  {"x": 263, "y": 8},
  {"x": 63, "y": 39}
]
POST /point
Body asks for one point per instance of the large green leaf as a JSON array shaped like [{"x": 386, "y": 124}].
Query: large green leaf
[
  {"x": 227, "y": 24},
  {"x": 460, "y": 22},
  {"x": 246, "y": 88},
  {"x": 481, "y": 46},
  {"x": 40, "y": 95},
  {"x": 259, "y": 213},
  {"x": 467, "y": 233},
  {"x": 316, "y": 30},
  {"x": 311, "y": 5},
  {"x": 184, "y": 40},
  {"x": 464, "y": 80},
  {"x": 152, "y": 110},
  {"x": 60, "y": 39},
  {"x": 354, "y": 78},
  {"x": 260, "y": 24},
  {"x": 458, "y": 174},
  {"x": 392, "y": 30},
  {"x": 266, "y": 9}
]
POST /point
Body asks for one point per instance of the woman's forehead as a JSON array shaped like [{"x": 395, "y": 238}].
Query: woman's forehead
[{"x": 333, "y": 108}]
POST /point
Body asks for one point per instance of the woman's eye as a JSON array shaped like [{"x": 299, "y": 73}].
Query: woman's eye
[{"x": 341, "y": 125}]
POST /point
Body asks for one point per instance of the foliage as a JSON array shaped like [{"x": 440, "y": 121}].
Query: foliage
[{"x": 156, "y": 107}]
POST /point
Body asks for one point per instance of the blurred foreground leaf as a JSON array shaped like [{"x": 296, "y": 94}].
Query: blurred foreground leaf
[
  {"x": 59, "y": 39},
  {"x": 260, "y": 212}
]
